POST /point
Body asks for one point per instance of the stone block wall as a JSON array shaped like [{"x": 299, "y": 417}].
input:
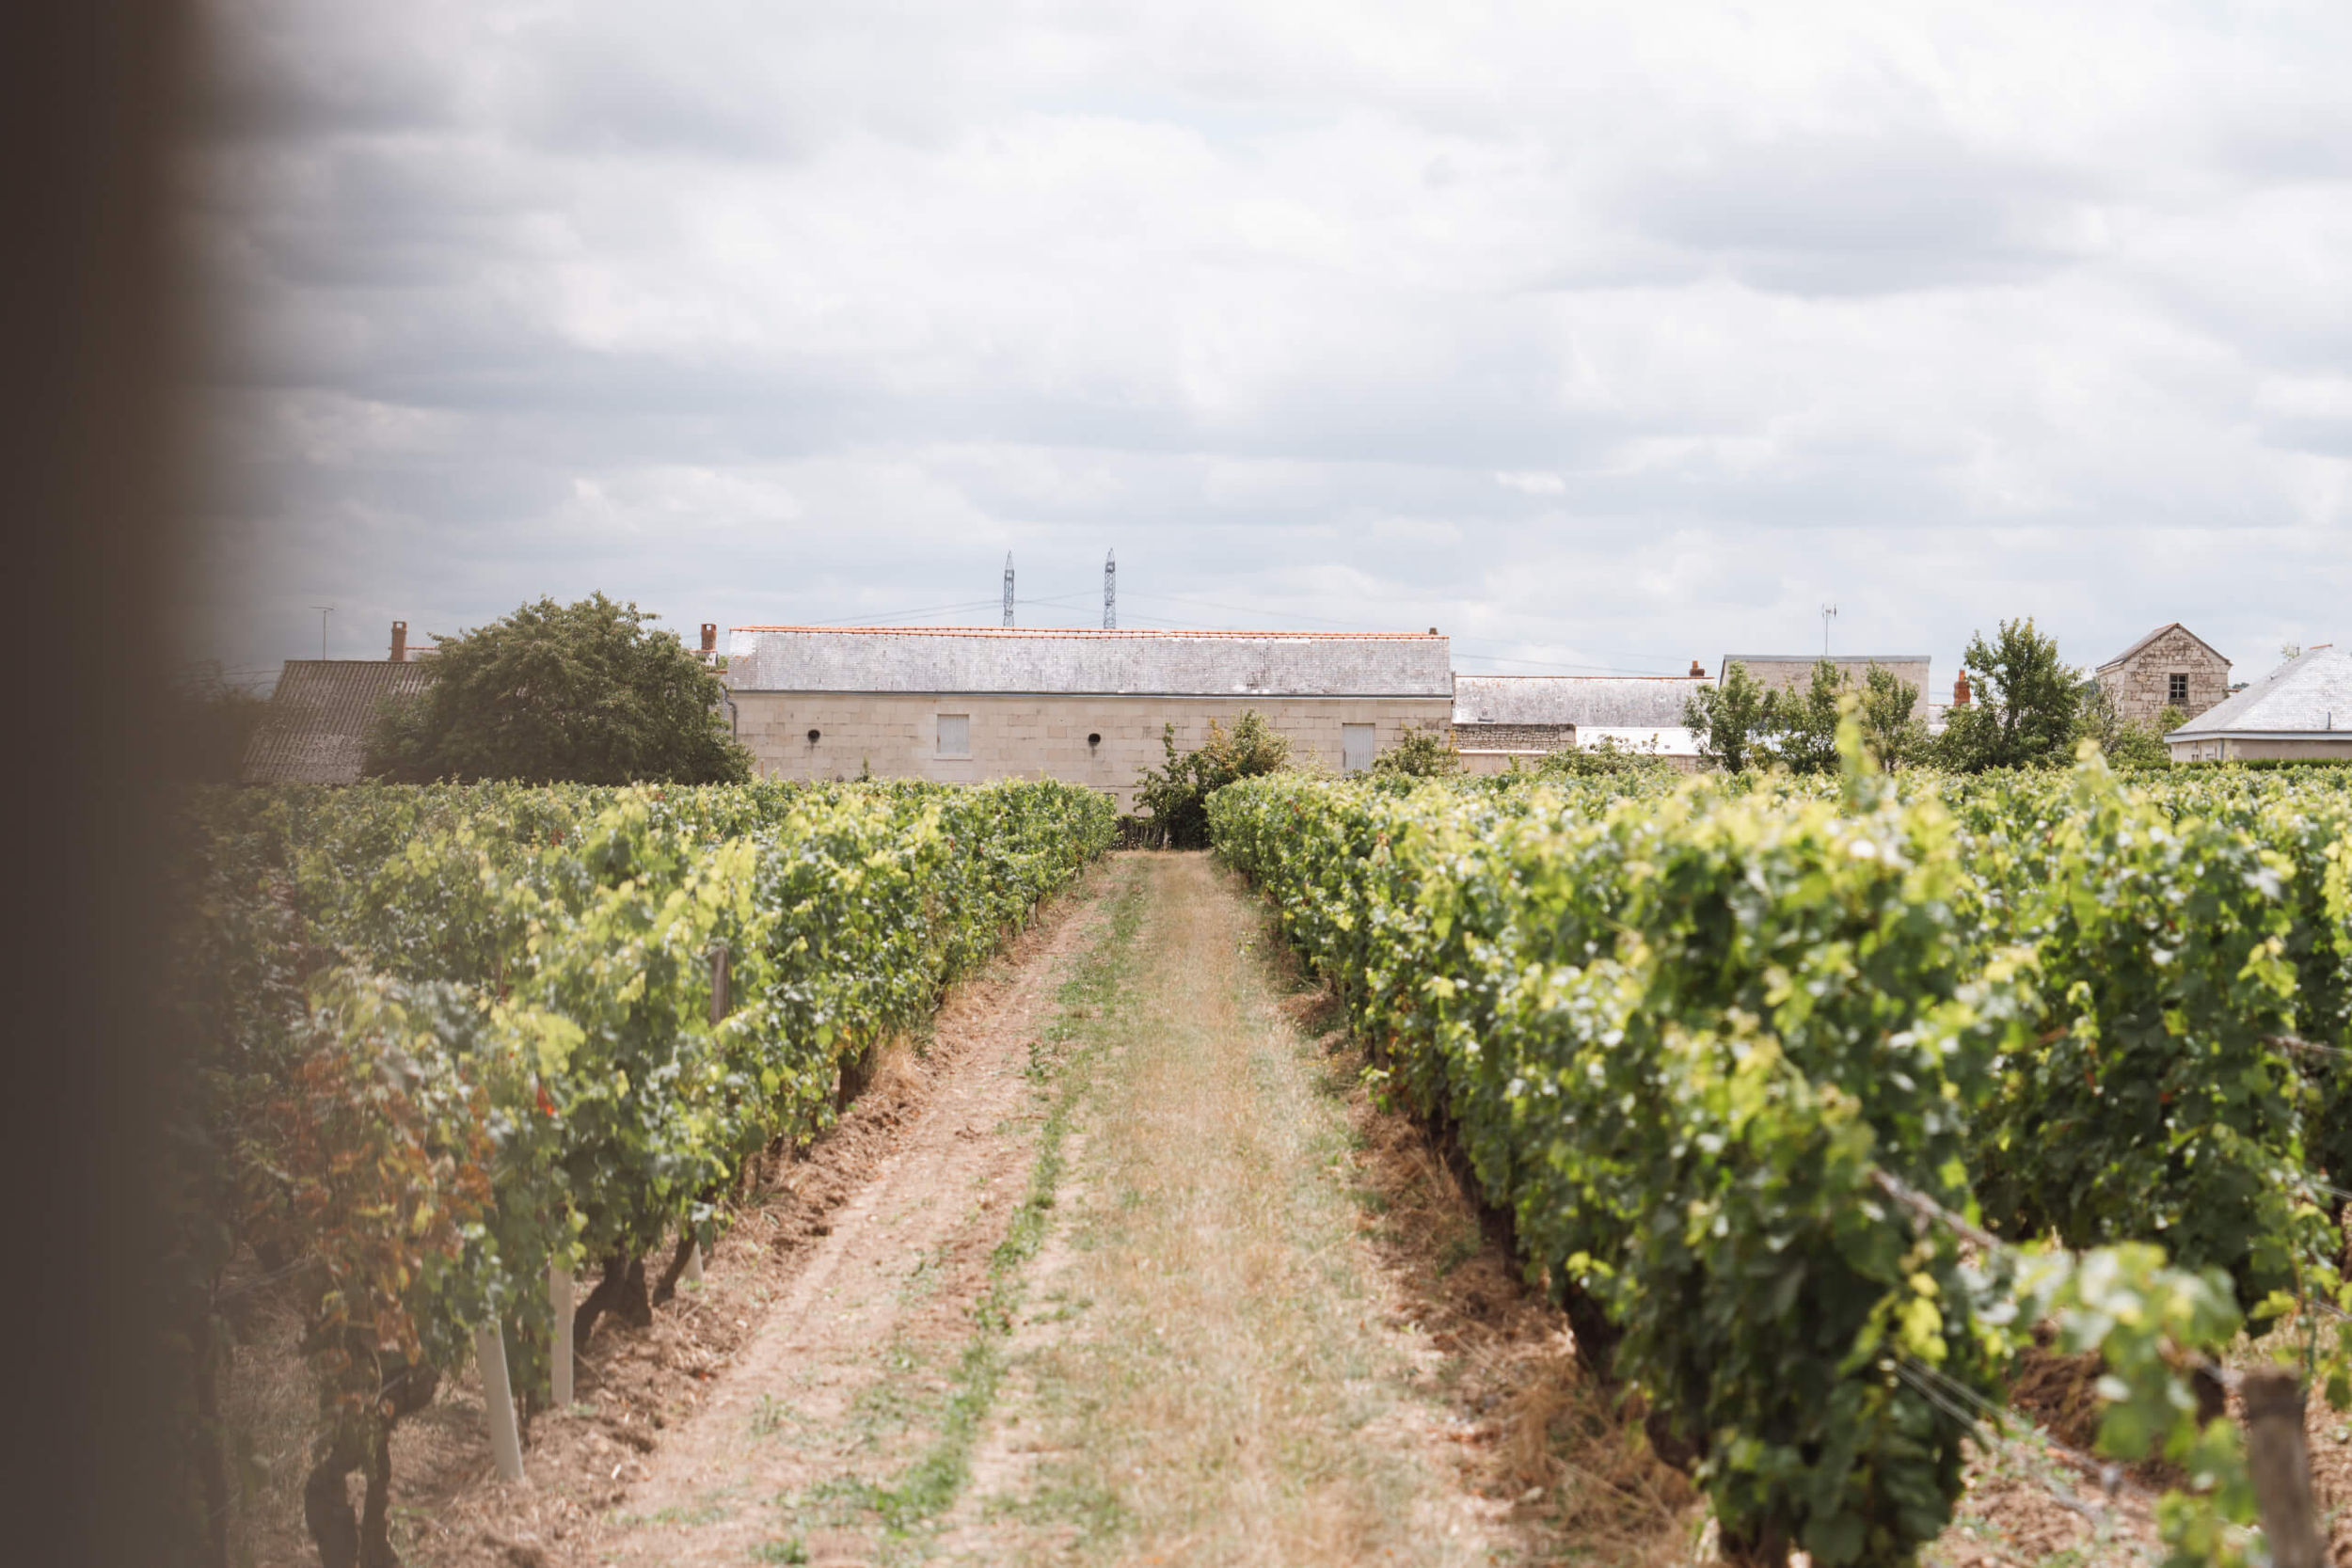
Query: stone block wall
[
  {"x": 895, "y": 734},
  {"x": 1515, "y": 737},
  {"x": 2140, "y": 684}
]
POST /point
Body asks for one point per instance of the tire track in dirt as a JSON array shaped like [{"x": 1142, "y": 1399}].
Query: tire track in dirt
[{"x": 839, "y": 1379}]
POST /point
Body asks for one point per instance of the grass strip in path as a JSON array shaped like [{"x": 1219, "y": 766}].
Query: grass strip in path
[
  {"x": 1065, "y": 1055},
  {"x": 1223, "y": 1381}
]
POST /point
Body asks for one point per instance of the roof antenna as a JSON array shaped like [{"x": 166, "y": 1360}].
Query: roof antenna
[
  {"x": 1110, "y": 590},
  {"x": 1829, "y": 613},
  {"x": 1009, "y": 588},
  {"x": 324, "y": 611}
]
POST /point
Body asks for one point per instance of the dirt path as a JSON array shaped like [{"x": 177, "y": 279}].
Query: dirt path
[
  {"x": 1215, "y": 1367},
  {"x": 859, "y": 1355},
  {"x": 1111, "y": 1298}
]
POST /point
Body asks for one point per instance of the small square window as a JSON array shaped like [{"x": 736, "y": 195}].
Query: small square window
[
  {"x": 2176, "y": 687},
  {"x": 955, "y": 735}
]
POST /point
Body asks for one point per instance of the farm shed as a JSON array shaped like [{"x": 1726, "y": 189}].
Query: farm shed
[
  {"x": 963, "y": 704},
  {"x": 315, "y": 730},
  {"x": 1499, "y": 718},
  {"x": 1794, "y": 671}
]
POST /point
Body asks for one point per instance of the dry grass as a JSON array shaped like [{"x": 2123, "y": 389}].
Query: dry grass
[{"x": 1242, "y": 1388}]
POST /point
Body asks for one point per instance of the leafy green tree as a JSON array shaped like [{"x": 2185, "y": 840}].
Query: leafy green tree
[
  {"x": 2127, "y": 743},
  {"x": 1803, "y": 725},
  {"x": 2031, "y": 703},
  {"x": 1732, "y": 719},
  {"x": 1420, "y": 754},
  {"x": 582, "y": 693},
  {"x": 1175, "y": 795},
  {"x": 1891, "y": 727}
]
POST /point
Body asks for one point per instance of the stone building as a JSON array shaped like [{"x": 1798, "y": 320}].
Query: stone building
[
  {"x": 1794, "y": 671},
  {"x": 960, "y": 705},
  {"x": 1499, "y": 720},
  {"x": 2171, "y": 667},
  {"x": 2303, "y": 709}
]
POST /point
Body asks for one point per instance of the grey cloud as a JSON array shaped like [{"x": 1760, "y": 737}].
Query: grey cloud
[{"x": 805, "y": 312}]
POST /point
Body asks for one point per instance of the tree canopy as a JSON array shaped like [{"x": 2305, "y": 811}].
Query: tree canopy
[
  {"x": 2030, "y": 708},
  {"x": 1731, "y": 721},
  {"x": 581, "y": 693},
  {"x": 1743, "y": 723}
]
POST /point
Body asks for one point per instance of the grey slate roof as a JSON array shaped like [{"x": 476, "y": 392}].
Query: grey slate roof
[
  {"x": 2169, "y": 625},
  {"x": 1608, "y": 701},
  {"x": 316, "y": 728},
  {"x": 2309, "y": 694},
  {"x": 1117, "y": 663}
]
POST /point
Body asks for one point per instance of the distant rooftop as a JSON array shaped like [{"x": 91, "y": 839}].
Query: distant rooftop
[
  {"x": 2310, "y": 694},
  {"x": 1841, "y": 660},
  {"x": 1079, "y": 660},
  {"x": 1607, "y": 701},
  {"x": 315, "y": 730}
]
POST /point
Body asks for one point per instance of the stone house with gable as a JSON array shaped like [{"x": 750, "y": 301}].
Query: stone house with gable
[
  {"x": 965, "y": 704},
  {"x": 2171, "y": 667}
]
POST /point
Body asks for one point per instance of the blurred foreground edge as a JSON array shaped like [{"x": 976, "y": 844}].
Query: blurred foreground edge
[{"x": 89, "y": 92}]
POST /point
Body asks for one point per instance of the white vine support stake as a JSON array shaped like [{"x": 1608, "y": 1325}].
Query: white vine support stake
[
  {"x": 695, "y": 1264},
  {"x": 559, "y": 1336},
  {"x": 498, "y": 1396}
]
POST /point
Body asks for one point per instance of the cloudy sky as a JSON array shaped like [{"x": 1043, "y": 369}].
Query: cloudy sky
[{"x": 1602, "y": 337}]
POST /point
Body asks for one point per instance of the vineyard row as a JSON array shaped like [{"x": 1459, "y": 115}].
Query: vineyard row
[
  {"x": 1692, "y": 1041},
  {"x": 457, "y": 1040}
]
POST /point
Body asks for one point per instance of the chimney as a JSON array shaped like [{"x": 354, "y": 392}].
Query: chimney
[
  {"x": 1698, "y": 671},
  {"x": 400, "y": 642},
  {"x": 1433, "y": 631},
  {"x": 1960, "y": 690},
  {"x": 710, "y": 637}
]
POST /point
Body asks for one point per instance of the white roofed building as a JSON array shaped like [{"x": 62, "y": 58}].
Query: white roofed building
[{"x": 2303, "y": 709}]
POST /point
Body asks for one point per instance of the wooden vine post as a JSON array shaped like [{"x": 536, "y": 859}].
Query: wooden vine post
[{"x": 2281, "y": 1467}]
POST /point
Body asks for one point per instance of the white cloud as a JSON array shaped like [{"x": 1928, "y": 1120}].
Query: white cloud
[{"x": 1607, "y": 335}]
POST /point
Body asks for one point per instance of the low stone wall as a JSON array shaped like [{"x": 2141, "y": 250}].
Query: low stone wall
[{"x": 1536, "y": 738}]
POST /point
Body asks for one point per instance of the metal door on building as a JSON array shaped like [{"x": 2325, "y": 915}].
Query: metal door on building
[{"x": 1355, "y": 747}]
